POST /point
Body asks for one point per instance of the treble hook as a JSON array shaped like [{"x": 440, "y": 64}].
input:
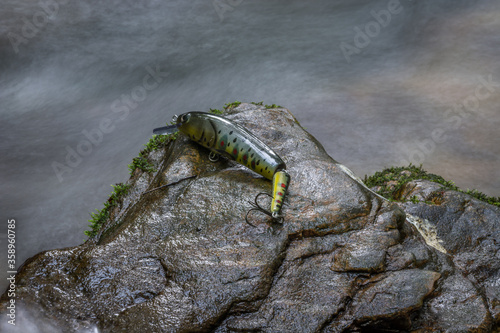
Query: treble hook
[
  {"x": 256, "y": 206},
  {"x": 213, "y": 157}
]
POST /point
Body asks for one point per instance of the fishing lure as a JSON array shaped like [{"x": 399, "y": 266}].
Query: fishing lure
[{"x": 226, "y": 138}]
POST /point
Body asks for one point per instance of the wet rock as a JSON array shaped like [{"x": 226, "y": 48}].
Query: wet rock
[
  {"x": 470, "y": 233},
  {"x": 459, "y": 307},
  {"x": 387, "y": 297},
  {"x": 183, "y": 259}
]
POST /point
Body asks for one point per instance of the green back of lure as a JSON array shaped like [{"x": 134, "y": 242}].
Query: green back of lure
[{"x": 228, "y": 139}]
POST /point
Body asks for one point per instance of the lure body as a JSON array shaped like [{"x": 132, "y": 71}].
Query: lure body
[{"x": 234, "y": 142}]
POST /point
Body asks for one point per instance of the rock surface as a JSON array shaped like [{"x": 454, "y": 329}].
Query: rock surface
[
  {"x": 182, "y": 258},
  {"x": 470, "y": 234}
]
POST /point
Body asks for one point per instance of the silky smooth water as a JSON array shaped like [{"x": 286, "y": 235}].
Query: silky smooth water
[{"x": 378, "y": 83}]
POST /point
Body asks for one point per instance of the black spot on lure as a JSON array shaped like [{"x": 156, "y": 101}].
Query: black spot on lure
[{"x": 226, "y": 138}]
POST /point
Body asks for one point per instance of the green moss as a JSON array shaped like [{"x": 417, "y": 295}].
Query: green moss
[
  {"x": 268, "y": 106},
  {"x": 403, "y": 175},
  {"x": 216, "y": 111},
  {"x": 226, "y": 107},
  {"x": 231, "y": 105},
  {"x": 158, "y": 141},
  {"x": 120, "y": 190},
  {"x": 272, "y": 106},
  {"x": 141, "y": 161},
  {"x": 98, "y": 218}
]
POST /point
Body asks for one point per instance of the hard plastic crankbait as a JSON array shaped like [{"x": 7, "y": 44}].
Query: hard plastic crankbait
[{"x": 226, "y": 138}]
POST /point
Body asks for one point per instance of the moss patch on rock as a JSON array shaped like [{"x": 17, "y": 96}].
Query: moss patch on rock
[
  {"x": 141, "y": 161},
  {"x": 120, "y": 190},
  {"x": 98, "y": 218},
  {"x": 235, "y": 104},
  {"x": 268, "y": 106},
  {"x": 389, "y": 182}
]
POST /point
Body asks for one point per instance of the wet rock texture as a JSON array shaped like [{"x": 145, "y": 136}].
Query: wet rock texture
[
  {"x": 183, "y": 259},
  {"x": 470, "y": 233}
]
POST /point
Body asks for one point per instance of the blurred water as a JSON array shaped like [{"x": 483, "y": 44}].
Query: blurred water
[{"x": 384, "y": 96}]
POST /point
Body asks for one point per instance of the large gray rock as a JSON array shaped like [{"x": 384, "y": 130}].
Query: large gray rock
[{"x": 183, "y": 259}]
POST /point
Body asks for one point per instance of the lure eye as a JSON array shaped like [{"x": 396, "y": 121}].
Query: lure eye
[{"x": 185, "y": 118}]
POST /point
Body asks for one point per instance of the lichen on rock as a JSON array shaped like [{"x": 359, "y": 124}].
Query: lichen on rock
[{"x": 183, "y": 259}]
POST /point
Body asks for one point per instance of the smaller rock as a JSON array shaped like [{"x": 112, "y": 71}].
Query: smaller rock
[
  {"x": 389, "y": 296},
  {"x": 458, "y": 308}
]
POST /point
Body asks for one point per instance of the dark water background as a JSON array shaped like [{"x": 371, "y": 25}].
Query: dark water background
[{"x": 391, "y": 94}]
